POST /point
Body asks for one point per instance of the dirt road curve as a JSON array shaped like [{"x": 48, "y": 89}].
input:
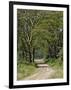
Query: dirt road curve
[{"x": 41, "y": 74}]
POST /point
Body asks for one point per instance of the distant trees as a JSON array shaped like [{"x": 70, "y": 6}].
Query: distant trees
[{"x": 39, "y": 31}]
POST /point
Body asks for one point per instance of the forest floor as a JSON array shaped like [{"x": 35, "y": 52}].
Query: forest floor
[
  {"x": 43, "y": 71},
  {"x": 41, "y": 74}
]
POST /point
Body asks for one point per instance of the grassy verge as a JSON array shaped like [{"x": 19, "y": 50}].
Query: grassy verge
[
  {"x": 57, "y": 66},
  {"x": 24, "y": 70}
]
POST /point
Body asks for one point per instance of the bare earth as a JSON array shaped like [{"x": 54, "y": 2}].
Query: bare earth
[{"x": 43, "y": 72}]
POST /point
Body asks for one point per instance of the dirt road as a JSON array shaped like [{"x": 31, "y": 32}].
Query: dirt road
[{"x": 41, "y": 74}]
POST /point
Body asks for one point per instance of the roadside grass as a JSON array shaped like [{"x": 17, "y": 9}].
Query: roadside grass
[
  {"x": 24, "y": 70},
  {"x": 57, "y": 66}
]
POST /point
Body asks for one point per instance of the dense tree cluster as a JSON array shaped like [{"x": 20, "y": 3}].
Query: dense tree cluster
[{"x": 39, "y": 34}]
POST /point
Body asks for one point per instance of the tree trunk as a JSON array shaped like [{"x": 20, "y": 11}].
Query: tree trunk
[
  {"x": 33, "y": 53},
  {"x": 30, "y": 56}
]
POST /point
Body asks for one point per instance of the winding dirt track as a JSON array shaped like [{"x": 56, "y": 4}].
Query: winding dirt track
[{"x": 43, "y": 72}]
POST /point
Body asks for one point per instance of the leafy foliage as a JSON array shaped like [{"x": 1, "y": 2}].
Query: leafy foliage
[{"x": 39, "y": 31}]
